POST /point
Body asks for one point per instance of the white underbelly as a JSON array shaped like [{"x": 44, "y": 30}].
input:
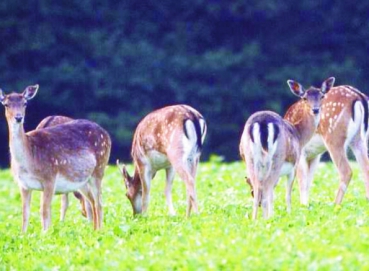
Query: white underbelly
[
  {"x": 315, "y": 146},
  {"x": 62, "y": 184},
  {"x": 157, "y": 160},
  {"x": 286, "y": 169}
]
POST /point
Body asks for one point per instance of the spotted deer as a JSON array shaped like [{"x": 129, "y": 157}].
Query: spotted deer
[
  {"x": 169, "y": 138},
  {"x": 271, "y": 146},
  {"x": 343, "y": 124},
  {"x": 58, "y": 159},
  {"x": 85, "y": 206}
]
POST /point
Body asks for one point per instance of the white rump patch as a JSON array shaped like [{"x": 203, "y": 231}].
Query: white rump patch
[
  {"x": 272, "y": 146},
  {"x": 356, "y": 124}
]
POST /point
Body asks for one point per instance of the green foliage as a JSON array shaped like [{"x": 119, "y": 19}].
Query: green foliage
[
  {"x": 115, "y": 61},
  {"x": 219, "y": 238}
]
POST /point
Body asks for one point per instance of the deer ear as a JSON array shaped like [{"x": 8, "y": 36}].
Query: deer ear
[
  {"x": 2, "y": 96},
  {"x": 327, "y": 85},
  {"x": 296, "y": 88},
  {"x": 124, "y": 172},
  {"x": 30, "y": 92}
]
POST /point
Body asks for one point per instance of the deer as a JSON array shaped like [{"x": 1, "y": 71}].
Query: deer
[
  {"x": 271, "y": 146},
  {"x": 85, "y": 206},
  {"x": 169, "y": 138},
  {"x": 343, "y": 124},
  {"x": 55, "y": 160}
]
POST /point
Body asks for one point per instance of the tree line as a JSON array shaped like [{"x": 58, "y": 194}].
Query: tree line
[{"x": 115, "y": 61}]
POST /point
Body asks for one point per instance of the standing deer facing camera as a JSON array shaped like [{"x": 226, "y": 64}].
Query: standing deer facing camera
[
  {"x": 85, "y": 206},
  {"x": 169, "y": 138},
  {"x": 59, "y": 159},
  {"x": 271, "y": 146},
  {"x": 343, "y": 124}
]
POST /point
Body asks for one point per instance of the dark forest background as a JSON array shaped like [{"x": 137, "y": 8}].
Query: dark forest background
[{"x": 115, "y": 61}]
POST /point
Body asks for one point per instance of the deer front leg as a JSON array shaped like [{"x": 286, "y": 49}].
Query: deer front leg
[
  {"x": 146, "y": 176},
  {"x": 26, "y": 204},
  {"x": 46, "y": 199},
  {"x": 360, "y": 150},
  {"x": 63, "y": 206},
  {"x": 289, "y": 185},
  {"x": 168, "y": 189}
]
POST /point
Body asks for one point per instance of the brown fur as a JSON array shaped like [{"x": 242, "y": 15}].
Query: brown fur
[
  {"x": 333, "y": 130},
  {"x": 58, "y": 159},
  {"x": 161, "y": 133}
]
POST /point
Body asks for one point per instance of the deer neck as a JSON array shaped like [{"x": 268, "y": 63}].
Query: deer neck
[
  {"x": 17, "y": 142},
  {"x": 304, "y": 121},
  {"x": 306, "y": 126}
]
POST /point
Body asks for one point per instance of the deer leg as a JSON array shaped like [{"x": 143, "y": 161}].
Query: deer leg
[
  {"x": 168, "y": 189},
  {"x": 256, "y": 201},
  {"x": 146, "y": 176},
  {"x": 95, "y": 188},
  {"x": 26, "y": 204},
  {"x": 267, "y": 201},
  {"x": 63, "y": 206},
  {"x": 302, "y": 172},
  {"x": 339, "y": 157},
  {"x": 360, "y": 150},
  {"x": 46, "y": 199},
  {"x": 305, "y": 175},
  {"x": 88, "y": 195},
  {"x": 289, "y": 185}
]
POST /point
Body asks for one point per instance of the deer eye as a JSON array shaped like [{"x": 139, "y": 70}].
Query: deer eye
[
  {"x": 6, "y": 105},
  {"x": 322, "y": 97}
]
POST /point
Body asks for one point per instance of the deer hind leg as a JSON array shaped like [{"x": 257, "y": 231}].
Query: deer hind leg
[
  {"x": 339, "y": 157},
  {"x": 256, "y": 201},
  {"x": 64, "y": 203},
  {"x": 26, "y": 204},
  {"x": 267, "y": 201},
  {"x": 360, "y": 150},
  {"x": 168, "y": 189},
  {"x": 89, "y": 192},
  {"x": 305, "y": 175},
  {"x": 45, "y": 209},
  {"x": 183, "y": 169},
  {"x": 86, "y": 209}
]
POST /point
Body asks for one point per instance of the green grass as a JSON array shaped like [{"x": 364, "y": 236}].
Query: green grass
[{"x": 219, "y": 238}]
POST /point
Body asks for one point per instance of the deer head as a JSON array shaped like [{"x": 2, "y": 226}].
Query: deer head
[
  {"x": 133, "y": 187},
  {"x": 312, "y": 97},
  {"x": 15, "y": 104}
]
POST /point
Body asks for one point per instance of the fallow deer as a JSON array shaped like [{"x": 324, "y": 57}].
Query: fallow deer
[
  {"x": 59, "y": 159},
  {"x": 343, "y": 124},
  {"x": 169, "y": 138},
  {"x": 85, "y": 206},
  {"x": 271, "y": 146}
]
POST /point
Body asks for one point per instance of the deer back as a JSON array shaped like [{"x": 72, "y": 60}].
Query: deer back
[
  {"x": 168, "y": 127},
  {"x": 340, "y": 106},
  {"x": 73, "y": 149}
]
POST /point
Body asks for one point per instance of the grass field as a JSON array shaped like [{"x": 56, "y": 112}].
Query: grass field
[{"x": 317, "y": 237}]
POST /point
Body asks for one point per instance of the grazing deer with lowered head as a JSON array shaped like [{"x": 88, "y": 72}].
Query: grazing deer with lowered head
[
  {"x": 343, "y": 123},
  {"x": 59, "y": 159},
  {"x": 85, "y": 206},
  {"x": 169, "y": 138},
  {"x": 271, "y": 146}
]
